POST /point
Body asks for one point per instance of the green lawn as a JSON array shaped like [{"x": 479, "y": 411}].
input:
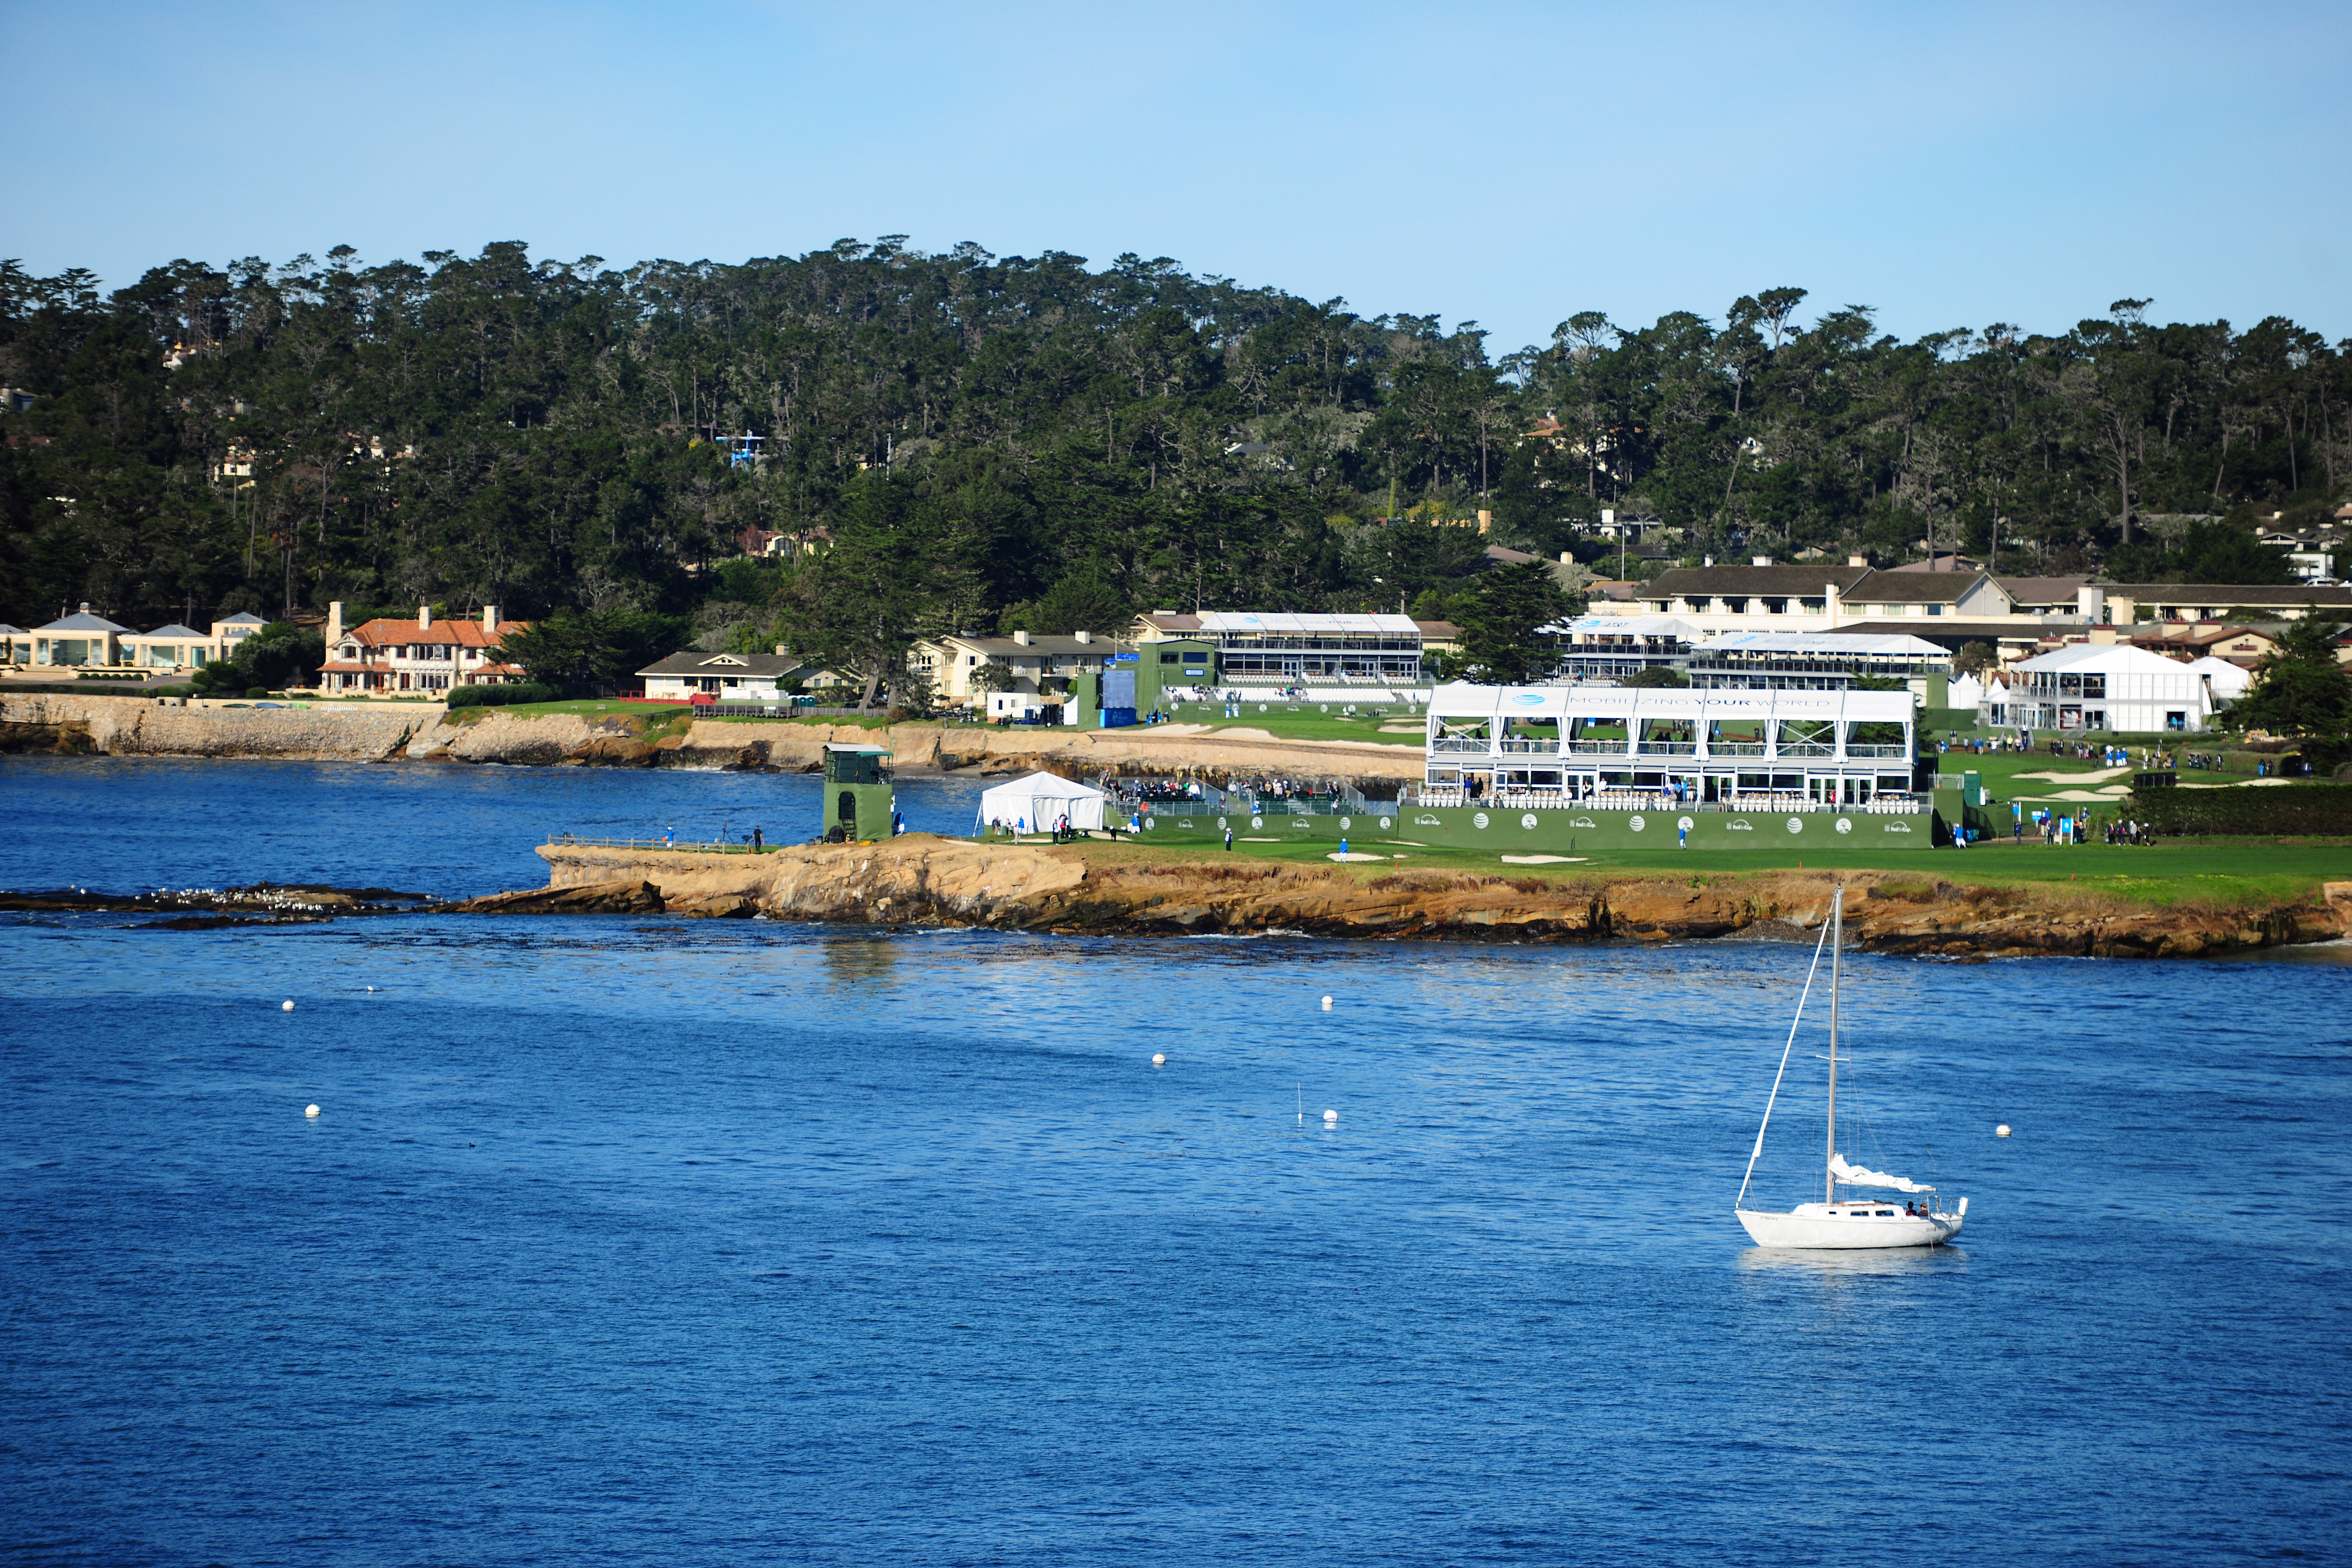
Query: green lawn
[
  {"x": 2001, "y": 774},
  {"x": 1313, "y": 718},
  {"x": 2214, "y": 871}
]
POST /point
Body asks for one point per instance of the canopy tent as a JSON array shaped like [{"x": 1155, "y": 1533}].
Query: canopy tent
[
  {"x": 1965, "y": 692},
  {"x": 1855, "y": 1176},
  {"x": 1037, "y": 802}
]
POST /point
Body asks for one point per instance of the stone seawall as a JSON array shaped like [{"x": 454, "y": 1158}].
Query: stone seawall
[
  {"x": 923, "y": 879},
  {"x": 140, "y": 726}
]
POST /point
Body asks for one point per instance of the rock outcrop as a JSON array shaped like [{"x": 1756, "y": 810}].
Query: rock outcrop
[
  {"x": 922, "y": 879},
  {"x": 619, "y": 896}
]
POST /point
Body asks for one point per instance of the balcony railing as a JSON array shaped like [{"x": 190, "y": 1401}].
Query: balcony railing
[
  {"x": 1529, "y": 748},
  {"x": 1595, "y": 748},
  {"x": 1669, "y": 748},
  {"x": 1477, "y": 743},
  {"x": 1805, "y": 749},
  {"x": 1735, "y": 747},
  {"x": 1875, "y": 751}
]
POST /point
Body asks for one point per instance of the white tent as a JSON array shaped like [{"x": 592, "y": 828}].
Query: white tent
[
  {"x": 2229, "y": 681},
  {"x": 1967, "y": 691},
  {"x": 1035, "y": 802}
]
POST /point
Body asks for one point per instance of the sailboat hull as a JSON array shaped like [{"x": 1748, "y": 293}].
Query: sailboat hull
[{"x": 1839, "y": 1227}]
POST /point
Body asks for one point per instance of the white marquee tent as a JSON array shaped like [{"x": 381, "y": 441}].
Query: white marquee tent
[
  {"x": 1035, "y": 802},
  {"x": 2229, "y": 681}
]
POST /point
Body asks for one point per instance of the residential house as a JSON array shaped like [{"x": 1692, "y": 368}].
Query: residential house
[
  {"x": 2128, "y": 602},
  {"x": 174, "y": 647},
  {"x": 1040, "y": 669},
  {"x": 423, "y": 657},
  {"x": 2241, "y": 646},
  {"x": 720, "y": 677},
  {"x": 80, "y": 640},
  {"x": 1763, "y": 597},
  {"x": 2044, "y": 595}
]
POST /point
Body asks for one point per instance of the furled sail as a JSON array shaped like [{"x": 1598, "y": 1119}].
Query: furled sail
[{"x": 1855, "y": 1176}]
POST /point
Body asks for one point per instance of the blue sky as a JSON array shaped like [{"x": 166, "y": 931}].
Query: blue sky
[{"x": 1951, "y": 165}]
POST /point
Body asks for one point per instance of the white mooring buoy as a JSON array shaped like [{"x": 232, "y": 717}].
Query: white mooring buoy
[
  {"x": 285, "y": 1007},
  {"x": 2001, "y": 1131},
  {"x": 1159, "y": 1059},
  {"x": 310, "y": 1110},
  {"x": 1329, "y": 1117},
  {"x": 1326, "y": 1004}
]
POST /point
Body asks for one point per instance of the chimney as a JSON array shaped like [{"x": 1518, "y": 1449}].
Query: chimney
[
  {"x": 1567, "y": 557},
  {"x": 425, "y": 617},
  {"x": 1608, "y": 517},
  {"x": 2091, "y": 603},
  {"x": 783, "y": 650},
  {"x": 1707, "y": 561},
  {"x": 1485, "y": 521},
  {"x": 334, "y": 625},
  {"x": 1857, "y": 560},
  {"x": 1763, "y": 561},
  {"x": 1830, "y": 603},
  {"x": 1022, "y": 638},
  {"x": 1085, "y": 636},
  {"x": 491, "y": 620}
]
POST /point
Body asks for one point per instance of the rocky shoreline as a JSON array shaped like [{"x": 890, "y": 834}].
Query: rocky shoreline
[
  {"x": 129, "y": 726},
  {"x": 1082, "y": 889},
  {"x": 925, "y": 880}
]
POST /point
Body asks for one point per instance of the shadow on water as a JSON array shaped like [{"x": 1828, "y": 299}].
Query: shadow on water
[{"x": 860, "y": 960}]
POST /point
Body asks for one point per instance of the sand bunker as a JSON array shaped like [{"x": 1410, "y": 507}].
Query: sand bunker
[
  {"x": 1541, "y": 859},
  {"x": 2095, "y": 776}
]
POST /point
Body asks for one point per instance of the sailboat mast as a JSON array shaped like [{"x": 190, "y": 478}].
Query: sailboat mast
[{"x": 1837, "y": 944}]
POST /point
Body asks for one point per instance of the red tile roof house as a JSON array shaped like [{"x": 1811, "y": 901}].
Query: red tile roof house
[{"x": 423, "y": 657}]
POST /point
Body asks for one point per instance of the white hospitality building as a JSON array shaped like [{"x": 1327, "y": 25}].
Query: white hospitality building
[
  {"x": 2114, "y": 688},
  {"x": 1776, "y": 748}
]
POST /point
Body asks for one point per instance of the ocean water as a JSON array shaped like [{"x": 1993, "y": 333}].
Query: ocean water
[{"x": 649, "y": 1241}]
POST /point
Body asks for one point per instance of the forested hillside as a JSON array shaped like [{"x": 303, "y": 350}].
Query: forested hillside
[{"x": 1023, "y": 441}]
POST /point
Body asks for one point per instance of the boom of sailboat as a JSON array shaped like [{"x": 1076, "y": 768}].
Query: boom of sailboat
[{"x": 1834, "y": 1222}]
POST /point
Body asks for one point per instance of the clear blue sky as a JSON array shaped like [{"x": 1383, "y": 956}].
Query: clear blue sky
[{"x": 1951, "y": 164}]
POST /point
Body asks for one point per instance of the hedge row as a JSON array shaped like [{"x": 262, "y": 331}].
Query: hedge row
[
  {"x": 2282, "y": 809},
  {"x": 500, "y": 695}
]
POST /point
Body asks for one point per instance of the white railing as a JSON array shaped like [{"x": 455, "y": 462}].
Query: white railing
[{"x": 1777, "y": 803}]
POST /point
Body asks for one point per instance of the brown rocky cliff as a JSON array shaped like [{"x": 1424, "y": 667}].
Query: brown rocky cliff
[{"x": 920, "y": 878}]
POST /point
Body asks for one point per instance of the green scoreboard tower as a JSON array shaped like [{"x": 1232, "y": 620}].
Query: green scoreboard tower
[{"x": 859, "y": 802}]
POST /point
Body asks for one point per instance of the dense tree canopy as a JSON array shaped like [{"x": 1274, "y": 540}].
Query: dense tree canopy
[{"x": 968, "y": 440}]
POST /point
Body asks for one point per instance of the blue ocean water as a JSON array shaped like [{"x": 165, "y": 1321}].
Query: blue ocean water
[{"x": 652, "y": 1241}]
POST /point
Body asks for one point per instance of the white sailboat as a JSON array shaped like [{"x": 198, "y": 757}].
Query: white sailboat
[{"x": 1834, "y": 1222}]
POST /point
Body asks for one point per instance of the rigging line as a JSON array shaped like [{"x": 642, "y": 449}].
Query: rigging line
[{"x": 1793, "y": 1023}]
